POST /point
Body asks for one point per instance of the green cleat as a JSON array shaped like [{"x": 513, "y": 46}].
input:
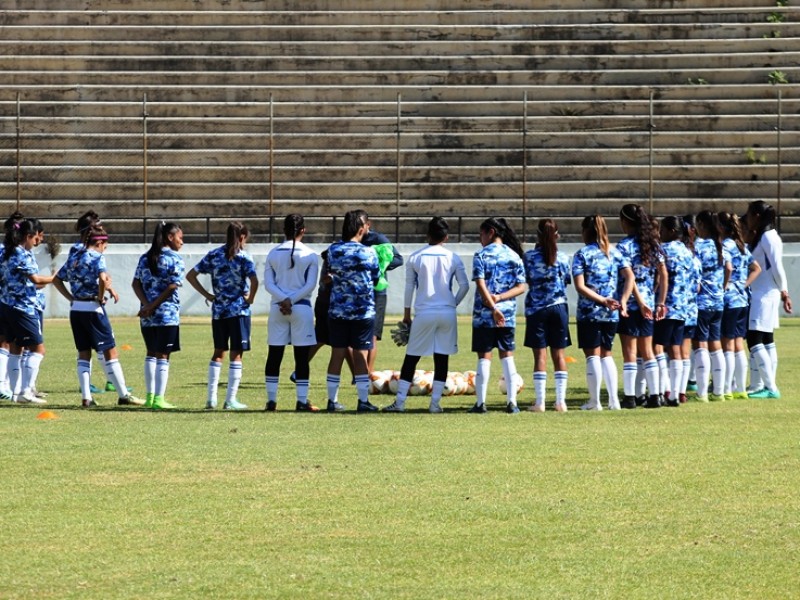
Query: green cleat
[
  {"x": 716, "y": 398},
  {"x": 740, "y": 396},
  {"x": 160, "y": 404},
  {"x": 766, "y": 394},
  {"x": 148, "y": 399},
  {"x": 701, "y": 398}
]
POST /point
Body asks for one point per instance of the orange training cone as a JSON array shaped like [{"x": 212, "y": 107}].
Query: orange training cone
[{"x": 46, "y": 415}]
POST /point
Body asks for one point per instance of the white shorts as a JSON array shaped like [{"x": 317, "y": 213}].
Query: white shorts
[
  {"x": 433, "y": 332},
  {"x": 764, "y": 312},
  {"x": 296, "y": 329}
]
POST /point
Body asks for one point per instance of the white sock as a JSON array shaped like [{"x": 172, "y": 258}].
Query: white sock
[
  {"x": 301, "y": 390},
  {"x": 702, "y": 367},
  {"x": 31, "y": 371},
  {"x": 150, "y": 374},
  {"x": 115, "y": 376},
  {"x": 663, "y": 373},
  {"x": 718, "y": 372},
  {"x": 611, "y": 379},
  {"x": 402, "y": 393},
  {"x": 692, "y": 368},
  {"x": 362, "y": 387},
  {"x": 730, "y": 366},
  {"x": 756, "y": 383},
  {"x": 482, "y": 380},
  {"x": 234, "y": 379},
  {"x": 271, "y": 386},
  {"x": 214, "y": 370},
  {"x": 764, "y": 362},
  {"x": 651, "y": 373},
  {"x": 687, "y": 371},
  {"x": 629, "y": 372},
  {"x": 675, "y": 378},
  {"x": 14, "y": 374},
  {"x": 102, "y": 360},
  {"x": 641, "y": 379},
  {"x": 437, "y": 389},
  {"x": 593, "y": 381},
  {"x": 740, "y": 372},
  {"x": 162, "y": 376},
  {"x": 85, "y": 378},
  {"x": 3, "y": 365},
  {"x": 561, "y": 386},
  {"x": 773, "y": 356},
  {"x": 332, "y": 382},
  {"x": 510, "y": 373},
  {"x": 540, "y": 387}
]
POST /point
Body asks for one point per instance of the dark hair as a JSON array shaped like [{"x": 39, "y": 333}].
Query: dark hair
[
  {"x": 503, "y": 231},
  {"x": 16, "y": 234},
  {"x": 645, "y": 232},
  {"x": 38, "y": 226},
  {"x": 596, "y": 230},
  {"x": 15, "y": 217},
  {"x": 95, "y": 233},
  {"x": 766, "y": 215},
  {"x": 730, "y": 227},
  {"x": 353, "y": 221},
  {"x": 687, "y": 224},
  {"x": 671, "y": 228},
  {"x": 160, "y": 239},
  {"x": 548, "y": 235},
  {"x": 293, "y": 224},
  {"x": 85, "y": 221},
  {"x": 233, "y": 238},
  {"x": 438, "y": 230},
  {"x": 710, "y": 224}
]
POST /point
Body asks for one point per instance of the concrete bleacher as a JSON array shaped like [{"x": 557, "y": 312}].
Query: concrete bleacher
[{"x": 242, "y": 108}]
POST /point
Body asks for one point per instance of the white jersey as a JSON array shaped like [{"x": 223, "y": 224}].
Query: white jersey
[
  {"x": 283, "y": 281},
  {"x": 430, "y": 272},
  {"x": 769, "y": 254}
]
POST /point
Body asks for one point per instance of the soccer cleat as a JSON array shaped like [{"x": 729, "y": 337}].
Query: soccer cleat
[
  {"x": 160, "y": 404},
  {"x": 673, "y": 402},
  {"x": 271, "y": 406},
  {"x": 699, "y": 398},
  {"x": 766, "y": 394},
  {"x": 234, "y": 404},
  {"x": 394, "y": 407},
  {"x": 682, "y": 398},
  {"x": 366, "y": 407},
  {"x": 95, "y": 390},
  {"x": 512, "y": 409},
  {"x": 537, "y": 408},
  {"x": 727, "y": 397},
  {"x": 131, "y": 400},
  {"x": 211, "y": 405},
  {"x": 740, "y": 396},
  {"x": 305, "y": 407},
  {"x": 110, "y": 387},
  {"x": 561, "y": 407},
  {"x": 434, "y": 408},
  {"x": 716, "y": 398},
  {"x": 6, "y": 395},
  {"x": 477, "y": 409},
  {"x": 148, "y": 399},
  {"x": 88, "y": 403},
  {"x": 39, "y": 394},
  {"x": 29, "y": 398},
  {"x": 641, "y": 400},
  {"x": 691, "y": 386},
  {"x": 614, "y": 405},
  {"x": 592, "y": 406},
  {"x": 334, "y": 406},
  {"x": 628, "y": 402},
  {"x": 653, "y": 401}
]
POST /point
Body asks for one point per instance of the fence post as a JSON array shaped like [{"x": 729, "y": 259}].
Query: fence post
[
  {"x": 19, "y": 154},
  {"x": 144, "y": 158},
  {"x": 779, "y": 174},
  {"x": 398, "y": 160},
  {"x": 651, "y": 127},
  {"x": 271, "y": 158},
  {"x": 524, "y": 161}
]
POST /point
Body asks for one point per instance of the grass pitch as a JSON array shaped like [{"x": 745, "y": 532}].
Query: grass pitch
[{"x": 696, "y": 502}]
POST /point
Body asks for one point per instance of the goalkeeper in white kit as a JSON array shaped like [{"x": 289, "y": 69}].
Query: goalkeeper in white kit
[{"x": 430, "y": 272}]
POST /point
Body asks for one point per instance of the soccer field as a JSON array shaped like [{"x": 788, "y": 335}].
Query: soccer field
[{"x": 695, "y": 502}]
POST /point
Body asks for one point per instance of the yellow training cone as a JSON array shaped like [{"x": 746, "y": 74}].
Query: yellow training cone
[{"x": 46, "y": 415}]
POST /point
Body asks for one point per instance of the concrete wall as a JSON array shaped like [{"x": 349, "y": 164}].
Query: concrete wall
[{"x": 122, "y": 259}]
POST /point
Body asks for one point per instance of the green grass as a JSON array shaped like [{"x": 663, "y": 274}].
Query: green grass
[{"x": 696, "y": 502}]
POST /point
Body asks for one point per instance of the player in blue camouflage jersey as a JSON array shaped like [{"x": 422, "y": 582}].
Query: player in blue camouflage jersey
[
  {"x": 681, "y": 293},
  {"x": 736, "y": 302},
  {"x": 716, "y": 269},
  {"x": 547, "y": 274},
  {"x": 158, "y": 276},
  {"x": 89, "y": 284},
  {"x": 597, "y": 270},
  {"x": 499, "y": 276},
  {"x": 234, "y": 284},
  {"x": 6, "y": 361},
  {"x": 19, "y": 308},
  {"x": 688, "y": 380},
  {"x": 354, "y": 270},
  {"x": 641, "y": 247}
]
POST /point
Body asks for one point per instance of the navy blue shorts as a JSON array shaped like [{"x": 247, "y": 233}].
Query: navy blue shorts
[
  {"x": 709, "y": 326},
  {"x": 548, "y": 328},
  {"x": 162, "y": 339},
  {"x": 91, "y": 331},
  {"x": 22, "y": 329},
  {"x": 234, "y": 331},
  {"x": 689, "y": 331},
  {"x": 356, "y": 334},
  {"x": 668, "y": 332},
  {"x": 596, "y": 334},
  {"x": 635, "y": 325},
  {"x": 734, "y": 323},
  {"x": 486, "y": 339}
]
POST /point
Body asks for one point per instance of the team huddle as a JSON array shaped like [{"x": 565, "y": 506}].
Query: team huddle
[{"x": 682, "y": 293}]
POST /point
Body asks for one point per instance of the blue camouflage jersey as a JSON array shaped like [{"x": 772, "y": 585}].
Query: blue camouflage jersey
[
  {"x": 18, "y": 291},
  {"x": 601, "y": 274},
  {"x": 691, "y": 313},
  {"x": 41, "y": 295},
  {"x": 501, "y": 269},
  {"x": 169, "y": 271},
  {"x": 81, "y": 272},
  {"x": 230, "y": 282},
  {"x": 355, "y": 271},
  {"x": 682, "y": 280},
  {"x": 736, "y": 294},
  {"x": 547, "y": 284},
  {"x": 712, "y": 274},
  {"x": 644, "y": 275}
]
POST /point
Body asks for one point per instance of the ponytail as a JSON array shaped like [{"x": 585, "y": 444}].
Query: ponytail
[
  {"x": 503, "y": 231},
  {"x": 292, "y": 226},
  {"x": 645, "y": 232},
  {"x": 596, "y": 230},
  {"x": 765, "y": 214},
  {"x": 710, "y": 224},
  {"x": 233, "y": 238},
  {"x": 671, "y": 228},
  {"x": 730, "y": 227},
  {"x": 16, "y": 228},
  {"x": 160, "y": 239},
  {"x": 548, "y": 236}
]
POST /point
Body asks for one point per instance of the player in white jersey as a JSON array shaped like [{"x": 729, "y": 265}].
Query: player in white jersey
[
  {"x": 290, "y": 277},
  {"x": 430, "y": 272}
]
